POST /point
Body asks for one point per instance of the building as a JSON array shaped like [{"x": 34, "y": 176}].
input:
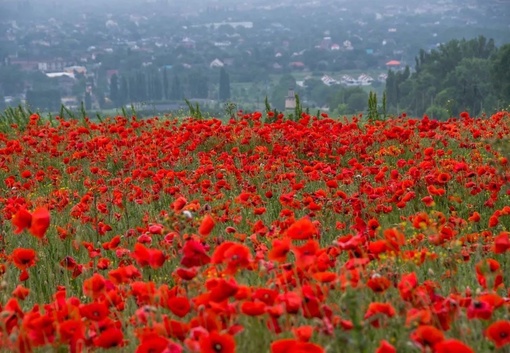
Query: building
[{"x": 290, "y": 100}]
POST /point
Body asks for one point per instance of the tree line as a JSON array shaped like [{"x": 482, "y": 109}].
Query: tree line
[
  {"x": 460, "y": 75},
  {"x": 162, "y": 85},
  {"x": 136, "y": 86}
]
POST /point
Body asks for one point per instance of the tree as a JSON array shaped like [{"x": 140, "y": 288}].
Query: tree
[
  {"x": 347, "y": 100},
  {"x": 166, "y": 88},
  {"x": 281, "y": 90},
  {"x": 198, "y": 84},
  {"x": 3, "y": 105},
  {"x": 357, "y": 102},
  {"x": 114, "y": 90},
  {"x": 501, "y": 74},
  {"x": 456, "y": 76},
  {"x": 141, "y": 86},
  {"x": 88, "y": 101},
  {"x": 123, "y": 91},
  {"x": 437, "y": 112},
  {"x": 157, "y": 87},
  {"x": 11, "y": 79},
  {"x": 133, "y": 92},
  {"x": 323, "y": 95},
  {"x": 176, "y": 92},
  {"x": 224, "y": 91},
  {"x": 100, "y": 97},
  {"x": 471, "y": 82},
  {"x": 48, "y": 100}
]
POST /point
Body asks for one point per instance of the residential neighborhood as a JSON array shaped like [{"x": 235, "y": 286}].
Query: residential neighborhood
[{"x": 160, "y": 51}]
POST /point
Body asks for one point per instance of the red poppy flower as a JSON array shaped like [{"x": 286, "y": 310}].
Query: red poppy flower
[
  {"x": 220, "y": 289},
  {"x": 206, "y": 226},
  {"x": 71, "y": 330},
  {"x": 37, "y": 223},
  {"x": 372, "y": 226},
  {"x": 23, "y": 258},
  {"x": 94, "y": 286},
  {"x": 306, "y": 254},
  {"x": 111, "y": 337},
  {"x": 254, "y": 308},
  {"x": 303, "y": 333},
  {"x": 479, "y": 309},
  {"x": 194, "y": 254},
  {"x": 21, "y": 292},
  {"x": 94, "y": 311},
  {"x": 378, "y": 284},
  {"x": 427, "y": 336},
  {"x": 376, "y": 310},
  {"x": 428, "y": 201},
  {"x": 179, "y": 306},
  {"x": 475, "y": 217},
  {"x": 279, "y": 250},
  {"x": 215, "y": 342},
  {"x": 325, "y": 277},
  {"x": 385, "y": 347},
  {"x": 124, "y": 274},
  {"x": 235, "y": 256},
  {"x": 378, "y": 247},
  {"x": 443, "y": 178},
  {"x": 289, "y": 345},
  {"x": 488, "y": 271},
  {"x": 21, "y": 220},
  {"x": 265, "y": 295},
  {"x": 179, "y": 204},
  {"x": 148, "y": 257},
  {"x": 302, "y": 229},
  {"x": 176, "y": 329},
  {"x": 40, "y": 222},
  {"x": 186, "y": 274},
  {"x": 499, "y": 333},
  {"x": 143, "y": 292},
  {"x": 452, "y": 346},
  {"x": 407, "y": 285},
  {"x": 502, "y": 243},
  {"x": 154, "y": 343},
  {"x": 141, "y": 255}
]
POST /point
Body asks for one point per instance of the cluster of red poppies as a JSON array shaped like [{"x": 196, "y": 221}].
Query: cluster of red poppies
[{"x": 261, "y": 233}]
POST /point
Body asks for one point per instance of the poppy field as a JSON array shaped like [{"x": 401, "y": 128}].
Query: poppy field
[{"x": 258, "y": 234}]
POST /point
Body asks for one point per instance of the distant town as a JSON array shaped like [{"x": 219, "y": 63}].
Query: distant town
[{"x": 158, "y": 52}]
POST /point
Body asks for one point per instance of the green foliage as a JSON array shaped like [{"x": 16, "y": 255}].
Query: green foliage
[
  {"x": 281, "y": 90},
  {"x": 48, "y": 99},
  {"x": 501, "y": 73},
  {"x": 372, "y": 107},
  {"x": 19, "y": 116},
  {"x": 194, "y": 111},
  {"x": 11, "y": 80},
  {"x": 461, "y": 75},
  {"x": 3, "y": 105},
  {"x": 437, "y": 112},
  {"x": 267, "y": 105},
  {"x": 197, "y": 84},
  {"x": 224, "y": 90},
  {"x": 376, "y": 112},
  {"x": 176, "y": 92},
  {"x": 88, "y": 101},
  {"x": 350, "y": 100},
  {"x": 298, "y": 110},
  {"x": 230, "y": 109},
  {"x": 357, "y": 101}
]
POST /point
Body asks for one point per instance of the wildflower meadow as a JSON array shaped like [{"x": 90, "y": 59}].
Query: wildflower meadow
[{"x": 255, "y": 234}]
